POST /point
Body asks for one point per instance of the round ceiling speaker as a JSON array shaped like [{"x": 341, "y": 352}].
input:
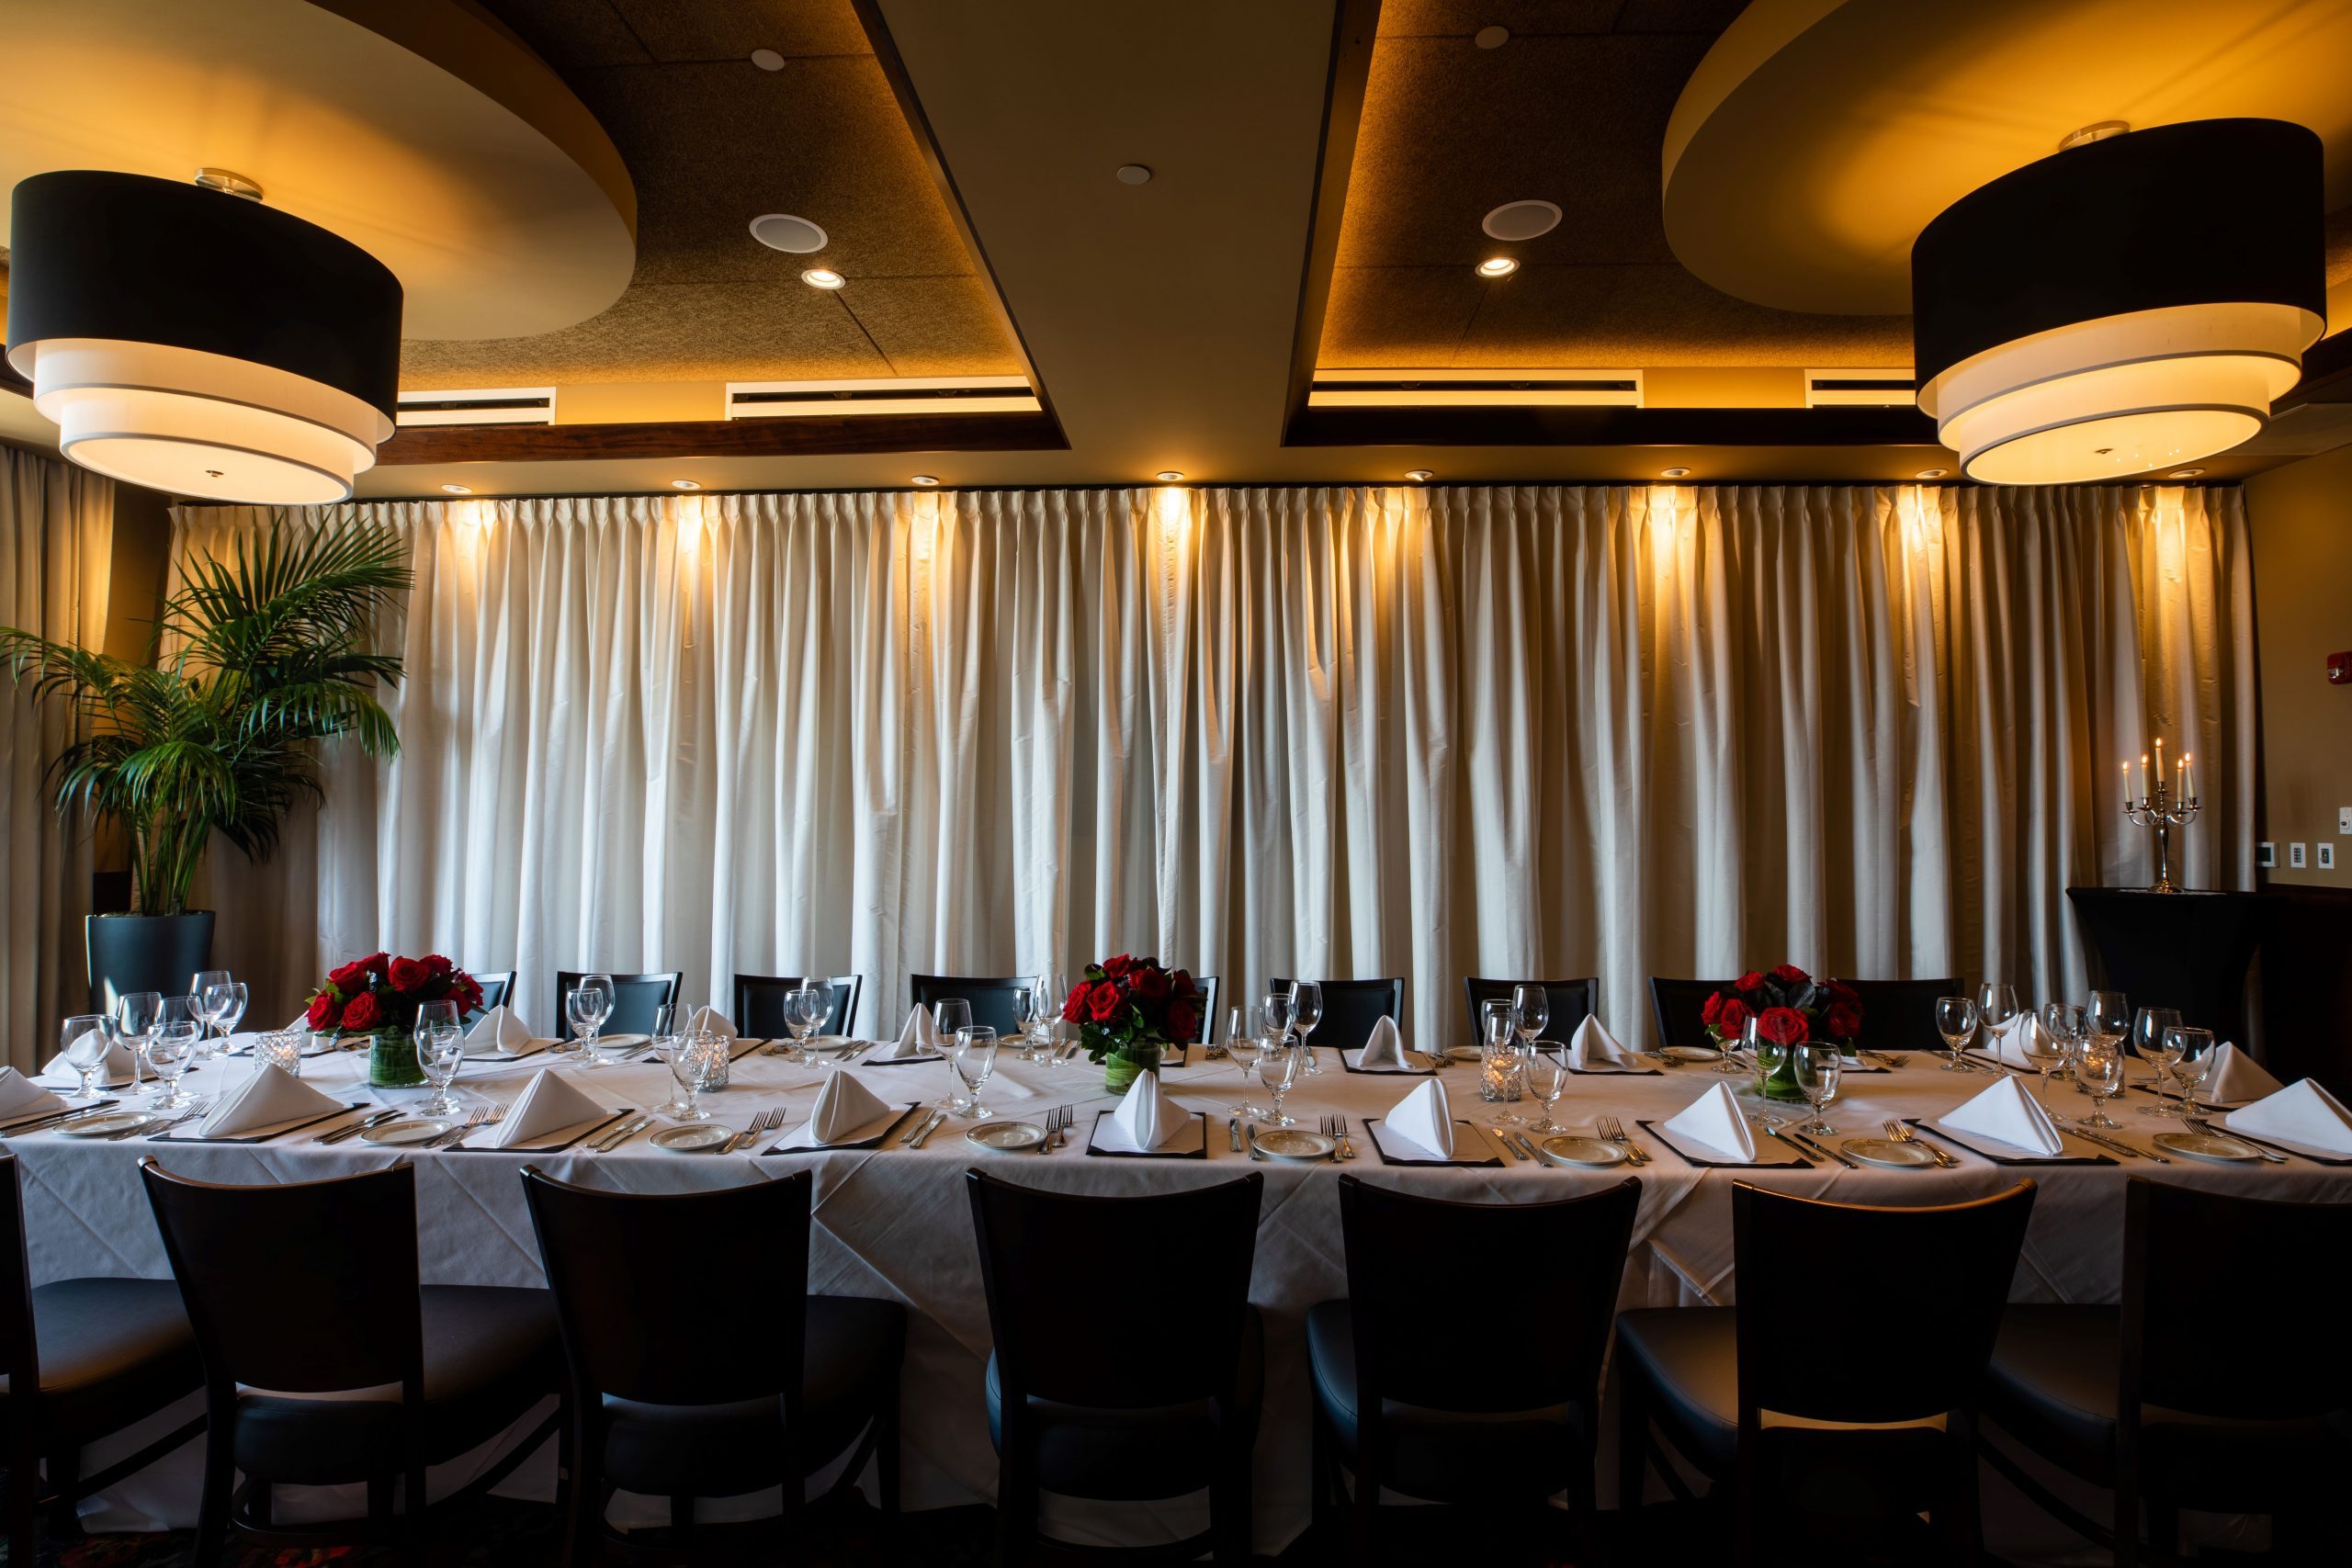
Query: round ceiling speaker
[
  {"x": 782, "y": 232},
  {"x": 2067, "y": 328},
  {"x": 1521, "y": 219},
  {"x": 198, "y": 343}
]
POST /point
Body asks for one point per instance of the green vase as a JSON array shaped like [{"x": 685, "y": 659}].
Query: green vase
[
  {"x": 1121, "y": 1068},
  {"x": 391, "y": 1061}
]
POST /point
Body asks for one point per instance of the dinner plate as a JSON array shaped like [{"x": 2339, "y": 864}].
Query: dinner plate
[
  {"x": 1570, "y": 1149},
  {"x": 110, "y": 1124},
  {"x": 1463, "y": 1053},
  {"x": 407, "y": 1130},
  {"x": 1887, "y": 1151},
  {"x": 1290, "y": 1143},
  {"x": 692, "y": 1139},
  {"x": 622, "y": 1041},
  {"x": 1006, "y": 1138},
  {"x": 1690, "y": 1054},
  {"x": 2217, "y": 1146}
]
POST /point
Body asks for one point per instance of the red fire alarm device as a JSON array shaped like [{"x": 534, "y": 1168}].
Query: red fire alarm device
[{"x": 2340, "y": 669}]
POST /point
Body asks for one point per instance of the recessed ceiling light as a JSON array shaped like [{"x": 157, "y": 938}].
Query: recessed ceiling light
[
  {"x": 1492, "y": 37},
  {"x": 1168, "y": 476},
  {"x": 685, "y": 484},
  {"x": 1497, "y": 266},
  {"x": 783, "y": 231},
  {"x": 925, "y": 479},
  {"x": 2184, "y": 473},
  {"x": 1674, "y": 473},
  {"x": 1134, "y": 174},
  {"x": 1521, "y": 219},
  {"x": 822, "y": 277},
  {"x": 1420, "y": 476},
  {"x": 1931, "y": 473},
  {"x": 457, "y": 489},
  {"x": 767, "y": 59}
]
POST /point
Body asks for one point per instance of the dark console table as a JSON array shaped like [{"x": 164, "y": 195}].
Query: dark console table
[{"x": 2189, "y": 951}]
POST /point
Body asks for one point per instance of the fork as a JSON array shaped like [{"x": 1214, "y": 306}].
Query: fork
[
  {"x": 2208, "y": 1128},
  {"x": 1059, "y": 1125},
  {"x": 187, "y": 1115},
  {"x": 1901, "y": 1132},
  {"x": 1346, "y": 1145},
  {"x": 480, "y": 1114},
  {"x": 1614, "y": 1131},
  {"x": 763, "y": 1122}
]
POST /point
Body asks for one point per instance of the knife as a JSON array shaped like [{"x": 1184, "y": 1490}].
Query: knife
[
  {"x": 56, "y": 1118},
  {"x": 628, "y": 1130},
  {"x": 1233, "y": 1132},
  {"x": 1249, "y": 1137},
  {"x": 1823, "y": 1148},
  {"x": 930, "y": 1127},
  {"x": 2112, "y": 1146},
  {"x": 1801, "y": 1153},
  {"x": 353, "y": 1129},
  {"x": 1504, "y": 1139}
]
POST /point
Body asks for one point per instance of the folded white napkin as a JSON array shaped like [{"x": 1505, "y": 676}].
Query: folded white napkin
[
  {"x": 919, "y": 1038},
  {"x": 2006, "y": 1114},
  {"x": 269, "y": 1096},
  {"x": 2233, "y": 1075},
  {"x": 2006, "y": 1042},
  {"x": 501, "y": 1031},
  {"x": 119, "y": 1064},
  {"x": 550, "y": 1103},
  {"x": 1144, "y": 1118},
  {"x": 1593, "y": 1046},
  {"x": 845, "y": 1109},
  {"x": 711, "y": 1020},
  {"x": 1383, "y": 1049},
  {"x": 1714, "y": 1120},
  {"x": 2302, "y": 1113},
  {"x": 19, "y": 1096},
  {"x": 1425, "y": 1118}
]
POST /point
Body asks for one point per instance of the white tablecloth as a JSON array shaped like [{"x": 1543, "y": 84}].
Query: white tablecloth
[{"x": 894, "y": 1223}]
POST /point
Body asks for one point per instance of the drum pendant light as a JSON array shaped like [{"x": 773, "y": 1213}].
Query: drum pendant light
[
  {"x": 2087, "y": 317},
  {"x": 187, "y": 338}
]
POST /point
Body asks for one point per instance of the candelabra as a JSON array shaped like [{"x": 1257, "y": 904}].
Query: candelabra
[{"x": 2163, "y": 811}]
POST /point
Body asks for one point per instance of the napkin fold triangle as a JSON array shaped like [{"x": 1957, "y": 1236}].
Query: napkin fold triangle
[
  {"x": 711, "y": 1020},
  {"x": 2302, "y": 1113},
  {"x": 2006, "y": 1114},
  {"x": 919, "y": 1038},
  {"x": 1425, "y": 1117},
  {"x": 1593, "y": 1046},
  {"x": 269, "y": 1096},
  {"x": 19, "y": 1096},
  {"x": 500, "y": 1029},
  {"x": 1714, "y": 1120},
  {"x": 1145, "y": 1118},
  {"x": 2233, "y": 1075},
  {"x": 549, "y": 1104},
  {"x": 1384, "y": 1048},
  {"x": 843, "y": 1107}
]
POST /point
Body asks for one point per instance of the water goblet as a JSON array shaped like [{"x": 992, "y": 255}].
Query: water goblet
[
  {"x": 695, "y": 1062},
  {"x": 2189, "y": 1054},
  {"x": 2149, "y": 1028},
  {"x": 805, "y": 1009},
  {"x": 440, "y": 1047},
  {"x": 208, "y": 1009},
  {"x": 1530, "y": 1009},
  {"x": 224, "y": 1003},
  {"x": 1818, "y": 1066},
  {"x": 2099, "y": 1067},
  {"x": 169, "y": 1051},
  {"x": 1956, "y": 1022},
  {"x": 1244, "y": 1037},
  {"x": 585, "y": 1010},
  {"x": 1305, "y": 1012},
  {"x": 973, "y": 1057},
  {"x": 2054, "y": 1043},
  {"x": 1770, "y": 1055},
  {"x": 949, "y": 1018},
  {"x": 85, "y": 1042},
  {"x": 136, "y": 1014},
  {"x": 1275, "y": 1012},
  {"x": 1996, "y": 1009},
  {"x": 1278, "y": 1066},
  {"x": 1547, "y": 1080}
]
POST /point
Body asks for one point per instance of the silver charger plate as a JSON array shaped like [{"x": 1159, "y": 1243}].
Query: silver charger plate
[
  {"x": 694, "y": 1138},
  {"x": 110, "y": 1123},
  {"x": 1888, "y": 1152},
  {"x": 1569, "y": 1148},
  {"x": 1291, "y": 1143},
  {"x": 1006, "y": 1138},
  {"x": 407, "y": 1130},
  {"x": 2216, "y": 1146}
]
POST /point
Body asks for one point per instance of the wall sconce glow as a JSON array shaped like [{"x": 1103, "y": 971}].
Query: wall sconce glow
[
  {"x": 236, "y": 353},
  {"x": 2063, "y": 331},
  {"x": 924, "y": 480},
  {"x": 822, "y": 277},
  {"x": 1420, "y": 476},
  {"x": 685, "y": 484},
  {"x": 456, "y": 490},
  {"x": 1497, "y": 266},
  {"x": 1170, "y": 476},
  {"x": 1674, "y": 473}
]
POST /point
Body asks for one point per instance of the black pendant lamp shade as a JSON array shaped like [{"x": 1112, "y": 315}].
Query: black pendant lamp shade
[
  {"x": 200, "y": 343},
  {"x": 2124, "y": 305}
]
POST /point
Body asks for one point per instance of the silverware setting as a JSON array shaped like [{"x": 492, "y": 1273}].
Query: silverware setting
[
  {"x": 188, "y": 1114},
  {"x": 1610, "y": 1128},
  {"x": 457, "y": 1135},
  {"x": 764, "y": 1123},
  {"x": 1336, "y": 1128},
  {"x": 1902, "y": 1134},
  {"x": 914, "y": 1140},
  {"x": 2112, "y": 1145},
  {"x": 1057, "y": 1124},
  {"x": 1817, "y": 1147},
  {"x": 628, "y": 1129},
  {"x": 2271, "y": 1155},
  {"x": 1774, "y": 1129},
  {"x": 56, "y": 1119},
  {"x": 352, "y": 1130},
  {"x": 1250, "y": 1137}
]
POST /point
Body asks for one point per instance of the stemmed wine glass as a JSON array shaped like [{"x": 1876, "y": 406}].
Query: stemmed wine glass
[
  {"x": 208, "y": 1008},
  {"x": 694, "y": 1063},
  {"x": 805, "y": 1007},
  {"x": 973, "y": 1056},
  {"x": 169, "y": 1051},
  {"x": 1956, "y": 1022},
  {"x": 1770, "y": 1055},
  {"x": 2150, "y": 1028},
  {"x": 1305, "y": 1012},
  {"x": 2054, "y": 1043},
  {"x": 224, "y": 1004},
  {"x": 2099, "y": 1069},
  {"x": 585, "y": 1009},
  {"x": 1547, "y": 1080},
  {"x": 85, "y": 1042},
  {"x": 1996, "y": 1009},
  {"x": 1530, "y": 1009},
  {"x": 949, "y": 1018},
  {"x": 137, "y": 1014},
  {"x": 440, "y": 1047},
  {"x": 1242, "y": 1044},
  {"x": 1818, "y": 1066},
  {"x": 1278, "y": 1064},
  {"x": 1274, "y": 1013},
  {"x": 2191, "y": 1052}
]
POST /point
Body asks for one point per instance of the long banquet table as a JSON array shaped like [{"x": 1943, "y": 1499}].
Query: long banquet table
[{"x": 893, "y": 1222}]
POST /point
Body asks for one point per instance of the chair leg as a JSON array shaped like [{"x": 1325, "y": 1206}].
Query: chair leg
[
  {"x": 583, "y": 1516},
  {"x": 1632, "y": 1435},
  {"x": 64, "y": 1477},
  {"x": 24, "y": 1498},
  {"x": 1748, "y": 1504},
  {"x": 1584, "y": 1502},
  {"x": 1016, "y": 1509},
  {"x": 2163, "y": 1532},
  {"x": 1961, "y": 1521},
  {"x": 1364, "y": 1511},
  {"x": 1231, "y": 1507},
  {"x": 416, "y": 1547},
  {"x": 2127, "y": 1523},
  {"x": 219, "y": 1476},
  {"x": 887, "y": 1457}
]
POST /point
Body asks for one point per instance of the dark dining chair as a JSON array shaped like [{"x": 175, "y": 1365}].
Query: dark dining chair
[
  {"x": 1881, "y": 1430},
  {"x": 1350, "y": 1009},
  {"x": 1068, "y": 1414},
  {"x": 1570, "y": 1002},
  {"x": 303, "y": 1291},
  {"x": 2177, "y": 1398},
  {"x": 1428, "y": 1418},
  {"x": 682, "y": 1414},
  {"x": 637, "y": 1000},
  {"x": 759, "y": 1003},
  {"x": 1207, "y": 987},
  {"x": 83, "y": 1359},
  {"x": 1674, "y": 1006},
  {"x": 497, "y": 988},
  {"x": 1900, "y": 1015},
  {"x": 991, "y": 998}
]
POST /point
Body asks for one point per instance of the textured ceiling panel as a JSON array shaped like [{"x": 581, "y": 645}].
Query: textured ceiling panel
[
  {"x": 730, "y": 29},
  {"x": 930, "y": 326},
  {"x": 1632, "y": 316}
]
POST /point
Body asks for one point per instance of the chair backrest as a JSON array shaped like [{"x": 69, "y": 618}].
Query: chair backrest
[
  {"x": 759, "y": 1003},
  {"x": 1057, "y": 1265},
  {"x": 1674, "y": 1005},
  {"x": 1572, "y": 1001},
  {"x": 19, "y": 1348},
  {"x": 1796, "y": 1351},
  {"x": 497, "y": 989},
  {"x": 1567, "y": 1264},
  {"x": 637, "y": 1000},
  {"x": 339, "y": 1255},
  {"x": 991, "y": 998},
  {"x": 1350, "y": 1008},
  {"x": 1900, "y": 1015},
  {"x": 2192, "y": 1263},
  {"x": 1210, "y": 1022},
  {"x": 628, "y": 1332}
]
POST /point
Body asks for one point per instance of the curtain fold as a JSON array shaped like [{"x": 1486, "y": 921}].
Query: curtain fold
[
  {"x": 1501, "y": 730},
  {"x": 56, "y": 554}
]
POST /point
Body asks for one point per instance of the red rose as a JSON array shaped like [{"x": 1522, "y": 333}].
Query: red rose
[
  {"x": 1181, "y": 983},
  {"x": 350, "y": 979},
  {"x": 1788, "y": 974},
  {"x": 1749, "y": 981},
  {"x": 1114, "y": 967},
  {"x": 320, "y": 1015},
  {"x": 1105, "y": 1003},
  {"x": 379, "y": 964},
  {"x": 361, "y": 1013},
  {"x": 1841, "y": 992},
  {"x": 1151, "y": 985},
  {"x": 1782, "y": 1026},
  {"x": 1184, "y": 1020},
  {"x": 1715, "y": 1006},
  {"x": 1074, "y": 1010},
  {"x": 407, "y": 973},
  {"x": 469, "y": 993},
  {"x": 1842, "y": 1023},
  {"x": 1732, "y": 1018}
]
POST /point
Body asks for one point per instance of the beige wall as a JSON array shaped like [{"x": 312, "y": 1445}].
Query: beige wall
[{"x": 2300, "y": 516}]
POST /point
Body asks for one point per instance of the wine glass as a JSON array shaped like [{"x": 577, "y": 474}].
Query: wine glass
[
  {"x": 169, "y": 1051},
  {"x": 1278, "y": 1067},
  {"x": 1770, "y": 1055},
  {"x": 1818, "y": 1066},
  {"x": 137, "y": 1013},
  {"x": 2054, "y": 1043},
  {"x": 2099, "y": 1069},
  {"x": 2109, "y": 1015},
  {"x": 201, "y": 988},
  {"x": 585, "y": 1009},
  {"x": 949, "y": 1018},
  {"x": 1242, "y": 1042},
  {"x": 2149, "y": 1028},
  {"x": 224, "y": 1004},
  {"x": 2191, "y": 1057},
  {"x": 805, "y": 1009},
  {"x": 973, "y": 1056},
  {"x": 694, "y": 1063},
  {"x": 1956, "y": 1022},
  {"x": 1547, "y": 1080},
  {"x": 85, "y": 1042},
  {"x": 1305, "y": 1012},
  {"x": 1530, "y": 1009},
  {"x": 1996, "y": 1009},
  {"x": 440, "y": 1047},
  {"x": 1275, "y": 1012}
]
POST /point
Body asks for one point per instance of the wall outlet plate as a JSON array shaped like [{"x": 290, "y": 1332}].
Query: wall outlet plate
[
  {"x": 2295, "y": 857},
  {"x": 2344, "y": 818},
  {"x": 2328, "y": 857},
  {"x": 2267, "y": 853}
]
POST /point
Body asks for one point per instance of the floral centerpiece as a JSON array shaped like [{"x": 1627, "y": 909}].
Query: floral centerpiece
[
  {"x": 1130, "y": 1010},
  {"x": 377, "y": 997},
  {"x": 1789, "y": 1007}
]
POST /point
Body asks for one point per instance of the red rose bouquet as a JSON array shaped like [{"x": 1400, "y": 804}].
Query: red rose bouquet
[
  {"x": 379, "y": 993},
  {"x": 1128, "y": 1010},
  {"x": 1791, "y": 1008}
]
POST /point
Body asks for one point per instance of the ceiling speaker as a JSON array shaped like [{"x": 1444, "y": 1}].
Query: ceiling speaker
[
  {"x": 1521, "y": 219},
  {"x": 782, "y": 232}
]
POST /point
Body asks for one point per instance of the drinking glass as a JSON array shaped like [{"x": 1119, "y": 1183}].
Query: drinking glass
[
  {"x": 136, "y": 1014},
  {"x": 692, "y": 1065},
  {"x": 972, "y": 1054},
  {"x": 85, "y": 1041},
  {"x": 1492, "y": 1016},
  {"x": 2099, "y": 1069},
  {"x": 1502, "y": 1064},
  {"x": 2054, "y": 1043},
  {"x": 169, "y": 1051},
  {"x": 1305, "y": 1012},
  {"x": 440, "y": 1047},
  {"x": 1278, "y": 1066},
  {"x": 2149, "y": 1028},
  {"x": 201, "y": 988},
  {"x": 1243, "y": 1037},
  {"x": 2109, "y": 1016},
  {"x": 282, "y": 1049},
  {"x": 1997, "y": 1006},
  {"x": 1274, "y": 1011},
  {"x": 1530, "y": 1009},
  {"x": 585, "y": 1009},
  {"x": 224, "y": 1004},
  {"x": 950, "y": 1018},
  {"x": 2191, "y": 1056},
  {"x": 805, "y": 1007},
  {"x": 1547, "y": 1080},
  {"x": 1770, "y": 1055},
  {"x": 1031, "y": 1013},
  {"x": 1956, "y": 1022},
  {"x": 1818, "y": 1064}
]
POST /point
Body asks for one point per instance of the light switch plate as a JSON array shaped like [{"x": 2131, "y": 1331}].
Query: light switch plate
[
  {"x": 2344, "y": 818},
  {"x": 2328, "y": 857},
  {"x": 2295, "y": 857},
  {"x": 2267, "y": 855}
]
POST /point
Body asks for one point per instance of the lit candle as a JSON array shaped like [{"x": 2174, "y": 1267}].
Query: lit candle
[
  {"x": 2127, "y": 786},
  {"x": 2188, "y": 778},
  {"x": 2143, "y": 775},
  {"x": 2160, "y": 762}
]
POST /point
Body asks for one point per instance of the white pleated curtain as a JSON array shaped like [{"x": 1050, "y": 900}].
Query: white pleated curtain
[{"x": 1506, "y": 731}]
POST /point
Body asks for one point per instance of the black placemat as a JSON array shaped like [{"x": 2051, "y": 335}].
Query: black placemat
[
  {"x": 40, "y": 1122},
  {"x": 896, "y": 1061},
  {"x": 1202, "y": 1117},
  {"x": 606, "y": 1125},
  {"x": 1959, "y": 1142},
  {"x": 1794, "y": 1161},
  {"x": 1619, "y": 1072},
  {"x": 2290, "y": 1152},
  {"x": 1408, "y": 1072},
  {"x": 1493, "y": 1159},
  {"x": 259, "y": 1138},
  {"x": 896, "y": 1125}
]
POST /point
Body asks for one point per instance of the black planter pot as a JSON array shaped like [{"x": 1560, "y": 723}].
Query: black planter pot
[{"x": 146, "y": 952}]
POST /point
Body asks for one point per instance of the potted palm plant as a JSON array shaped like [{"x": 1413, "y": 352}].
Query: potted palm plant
[{"x": 254, "y": 661}]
